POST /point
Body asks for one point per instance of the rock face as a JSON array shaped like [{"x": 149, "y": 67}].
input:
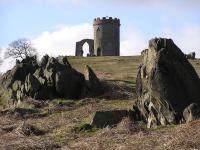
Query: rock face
[
  {"x": 101, "y": 119},
  {"x": 53, "y": 77},
  {"x": 168, "y": 88},
  {"x": 69, "y": 83},
  {"x": 93, "y": 85}
]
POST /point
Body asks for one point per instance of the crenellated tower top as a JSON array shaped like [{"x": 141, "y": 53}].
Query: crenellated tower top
[{"x": 106, "y": 20}]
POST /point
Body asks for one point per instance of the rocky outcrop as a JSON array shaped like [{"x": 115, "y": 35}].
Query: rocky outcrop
[
  {"x": 69, "y": 83},
  {"x": 168, "y": 88},
  {"x": 52, "y": 77},
  {"x": 192, "y": 112},
  {"x": 19, "y": 72}
]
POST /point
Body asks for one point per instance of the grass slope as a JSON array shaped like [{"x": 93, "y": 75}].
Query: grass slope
[{"x": 109, "y": 68}]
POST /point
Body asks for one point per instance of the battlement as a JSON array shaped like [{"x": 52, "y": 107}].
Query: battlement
[{"x": 106, "y": 20}]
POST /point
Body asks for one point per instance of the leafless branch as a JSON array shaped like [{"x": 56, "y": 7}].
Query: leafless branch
[{"x": 20, "y": 49}]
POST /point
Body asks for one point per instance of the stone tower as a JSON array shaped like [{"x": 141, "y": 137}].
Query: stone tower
[{"x": 106, "y": 36}]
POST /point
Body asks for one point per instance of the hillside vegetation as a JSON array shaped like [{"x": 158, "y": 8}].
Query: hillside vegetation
[
  {"x": 109, "y": 68},
  {"x": 115, "y": 68},
  {"x": 58, "y": 124}
]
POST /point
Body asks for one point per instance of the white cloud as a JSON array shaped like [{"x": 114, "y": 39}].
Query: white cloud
[
  {"x": 132, "y": 42},
  {"x": 187, "y": 38},
  {"x": 63, "y": 40},
  {"x": 7, "y": 63}
]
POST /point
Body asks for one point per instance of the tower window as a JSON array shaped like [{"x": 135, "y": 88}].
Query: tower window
[{"x": 98, "y": 33}]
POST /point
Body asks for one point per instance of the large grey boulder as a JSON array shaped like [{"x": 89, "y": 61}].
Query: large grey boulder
[
  {"x": 102, "y": 119},
  {"x": 44, "y": 61},
  {"x": 13, "y": 80},
  {"x": 69, "y": 83},
  {"x": 62, "y": 79},
  {"x": 191, "y": 113},
  {"x": 166, "y": 85},
  {"x": 32, "y": 85},
  {"x": 18, "y": 90},
  {"x": 19, "y": 72},
  {"x": 51, "y": 78}
]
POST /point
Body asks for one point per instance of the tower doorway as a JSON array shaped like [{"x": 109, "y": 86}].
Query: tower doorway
[
  {"x": 99, "y": 52},
  {"x": 86, "y": 49}
]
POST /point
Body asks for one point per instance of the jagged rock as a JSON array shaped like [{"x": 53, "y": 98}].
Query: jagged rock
[
  {"x": 13, "y": 80},
  {"x": 52, "y": 67},
  {"x": 166, "y": 84},
  {"x": 40, "y": 76},
  {"x": 16, "y": 85},
  {"x": 64, "y": 61},
  {"x": 191, "y": 113},
  {"x": 32, "y": 85},
  {"x": 19, "y": 95},
  {"x": 101, "y": 119},
  {"x": 53, "y": 77},
  {"x": 44, "y": 61},
  {"x": 19, "y": 72},
  {"x": 44, "y": 93},
  {"x": 93, "y": 84},
  {"x": 69, "y": 83}
]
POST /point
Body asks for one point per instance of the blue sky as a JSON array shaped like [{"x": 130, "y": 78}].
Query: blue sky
[{"x": 55, "y": 25}]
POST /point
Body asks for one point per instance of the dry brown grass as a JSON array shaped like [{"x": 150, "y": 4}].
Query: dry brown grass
[
  {"x": 58, "y": 126},
  {"x": 133, "y": 137},
  {"x": 126, "y": 135}
]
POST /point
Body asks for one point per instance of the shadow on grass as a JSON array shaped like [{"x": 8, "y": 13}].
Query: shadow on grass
[
  {"x": 118, "y": 90},
  {"x": 124, "y": 81}
]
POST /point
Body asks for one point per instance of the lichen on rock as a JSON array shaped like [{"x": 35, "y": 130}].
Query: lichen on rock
[{"x": 166, "y": 84}]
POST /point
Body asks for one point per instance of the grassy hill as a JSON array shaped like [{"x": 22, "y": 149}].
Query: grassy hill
[
  {"x": 61, "y": 119},
  {"x": 109, "y": 68},
  {"x": 115, "y": 68}
]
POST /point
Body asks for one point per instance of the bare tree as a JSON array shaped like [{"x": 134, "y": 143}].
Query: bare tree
[{"x": 20, "y": 49}]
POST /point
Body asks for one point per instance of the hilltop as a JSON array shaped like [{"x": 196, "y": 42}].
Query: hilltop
[
  {"x": 115, "y": 67},
  {"x": 60, "y": 123}
]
